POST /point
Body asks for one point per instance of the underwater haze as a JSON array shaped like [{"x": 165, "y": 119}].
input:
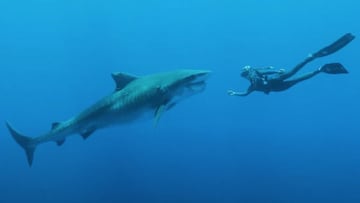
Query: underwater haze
[{"x": 301, "y": 145}]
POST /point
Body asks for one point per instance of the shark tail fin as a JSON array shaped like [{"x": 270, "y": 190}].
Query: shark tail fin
[{"x": 27, "y": 143}]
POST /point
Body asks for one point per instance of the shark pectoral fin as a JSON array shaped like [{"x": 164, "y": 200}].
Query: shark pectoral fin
[
  {"x": 158, "y": 112},
  {"x": 60, "y": 142},
  {"x": 170, "y": 106},
  {"x": 122, "y": 79},
  {"x": 87, "y": 133}
]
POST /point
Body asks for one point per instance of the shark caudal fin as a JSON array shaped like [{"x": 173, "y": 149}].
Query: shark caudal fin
[{"x": 27, "y": 143}]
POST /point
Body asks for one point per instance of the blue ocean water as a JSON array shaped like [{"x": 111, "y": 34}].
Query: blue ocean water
[{"x": 301, "y": 145}]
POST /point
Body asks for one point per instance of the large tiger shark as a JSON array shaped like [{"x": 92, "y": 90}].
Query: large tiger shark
[{"x": 133, "y": 97}]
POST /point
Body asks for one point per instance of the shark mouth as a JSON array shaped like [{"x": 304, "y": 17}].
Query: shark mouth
[
  {"x": 198, "y": 83},
  {"x": 196, "y": 86}
]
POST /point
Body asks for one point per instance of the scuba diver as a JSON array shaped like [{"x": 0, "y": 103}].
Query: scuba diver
[{"x": 268, "y": 79}]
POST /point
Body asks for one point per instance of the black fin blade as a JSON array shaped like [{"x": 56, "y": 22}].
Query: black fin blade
[
  {"x": 335, "y": 46},
  {"x": 333, "y": 68}
]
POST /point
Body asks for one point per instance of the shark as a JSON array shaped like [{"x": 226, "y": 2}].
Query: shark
[{"x": 132, "y": 98}]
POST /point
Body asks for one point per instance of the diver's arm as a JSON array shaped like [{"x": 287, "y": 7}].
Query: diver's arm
[
  {"x": 268, "y": 71},
  {"x": 245, "y": 93}
]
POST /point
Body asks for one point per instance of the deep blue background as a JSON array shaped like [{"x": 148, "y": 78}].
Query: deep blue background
[{"x": 301, "y": 145}]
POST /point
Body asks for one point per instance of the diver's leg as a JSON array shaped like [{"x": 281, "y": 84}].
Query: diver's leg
[
  {"x": 332, "y": 48},
  {"x": 294, "y": 70},
  {"x": 306, "y": 76}
]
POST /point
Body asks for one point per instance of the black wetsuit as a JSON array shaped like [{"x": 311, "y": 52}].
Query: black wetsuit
[
  {"x": 278, "y": 81},
  {"x": 267, "y": 80}
]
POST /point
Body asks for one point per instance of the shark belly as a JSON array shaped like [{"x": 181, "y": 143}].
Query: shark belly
[{"x": 105, "y": 113}]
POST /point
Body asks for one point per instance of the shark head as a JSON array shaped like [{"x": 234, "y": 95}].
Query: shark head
[
  {"x": 178, "y": 82},
  {"x": 176, "y": 85},
  {"x": 184, "y": 83},
  {"x": 160, "y": 91}
]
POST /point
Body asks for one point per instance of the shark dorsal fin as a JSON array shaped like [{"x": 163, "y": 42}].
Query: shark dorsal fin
[
  {"x": 55, "y": 125},
  {"x": 122, "y": 79}
]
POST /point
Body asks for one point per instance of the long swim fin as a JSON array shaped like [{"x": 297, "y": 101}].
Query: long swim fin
[
  {"x": 335, "y": 46},
  {"x": 333, "y": 68}
]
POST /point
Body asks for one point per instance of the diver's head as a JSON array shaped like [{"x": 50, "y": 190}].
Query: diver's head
[{"x": 245, "y": 71}]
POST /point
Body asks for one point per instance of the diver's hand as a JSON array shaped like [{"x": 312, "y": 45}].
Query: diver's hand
[{"x": 231, "y": 92}]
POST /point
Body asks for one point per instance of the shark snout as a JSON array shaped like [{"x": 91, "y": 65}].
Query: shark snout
[
  {"x": 201, "y": 76},
  {"x": 198, "y": 81}
]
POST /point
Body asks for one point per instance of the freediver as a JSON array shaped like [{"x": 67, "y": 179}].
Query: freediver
[{"x": 269, "y": 79}]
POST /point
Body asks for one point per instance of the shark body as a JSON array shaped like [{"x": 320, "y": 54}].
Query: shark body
[{"x": 132, "y": 97}]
